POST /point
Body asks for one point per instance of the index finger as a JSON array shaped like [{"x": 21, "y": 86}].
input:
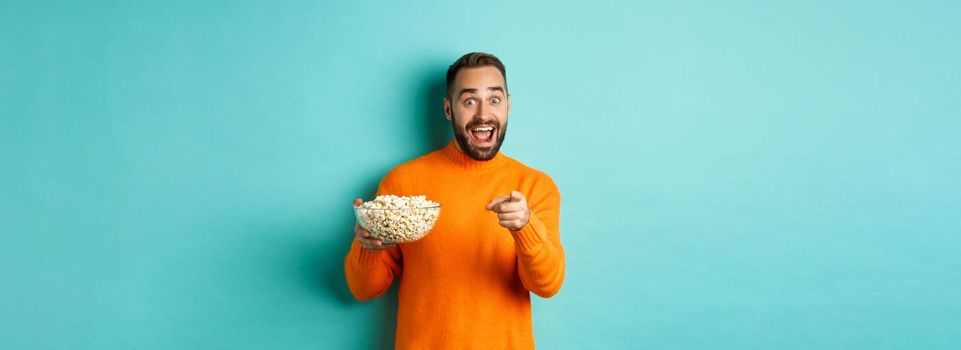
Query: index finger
[
  {"x": 497, "y": 200},
  {"x": 509, "y": 206}
]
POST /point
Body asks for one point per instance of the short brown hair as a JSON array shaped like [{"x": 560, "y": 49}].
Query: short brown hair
[{"x": 473, "y": 60}]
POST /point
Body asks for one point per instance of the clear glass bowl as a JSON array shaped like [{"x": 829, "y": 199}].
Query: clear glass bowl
[{"x": 401, "y": 225}]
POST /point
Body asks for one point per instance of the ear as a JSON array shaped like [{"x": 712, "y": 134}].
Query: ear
[
  {"x": 447, "y": 113},
  {"x": 508, "y": 102}
]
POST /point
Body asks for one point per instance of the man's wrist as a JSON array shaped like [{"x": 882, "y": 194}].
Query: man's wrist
[{"x": 521, "y": 228}]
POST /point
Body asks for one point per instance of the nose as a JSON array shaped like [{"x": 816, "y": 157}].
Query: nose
[
  {"x": 481, "y": 108},
  {"x": 483, "y": 111}
]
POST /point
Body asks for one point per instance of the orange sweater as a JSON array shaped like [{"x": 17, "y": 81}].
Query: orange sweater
[{"x": 467, "y": 284}]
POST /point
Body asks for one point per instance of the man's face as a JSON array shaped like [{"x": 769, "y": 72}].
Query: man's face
[{"x": 477, "y": 109}]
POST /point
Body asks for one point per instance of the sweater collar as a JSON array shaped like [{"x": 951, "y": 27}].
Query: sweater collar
[{"x": 464, "y": 161}]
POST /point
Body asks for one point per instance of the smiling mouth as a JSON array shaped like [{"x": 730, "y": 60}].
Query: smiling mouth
[{"x": 482, "y": 135}]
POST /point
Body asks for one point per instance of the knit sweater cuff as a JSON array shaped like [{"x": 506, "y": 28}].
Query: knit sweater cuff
[
  {"x": 530, "y": 238},
  {"x": 365, "y": 257}
]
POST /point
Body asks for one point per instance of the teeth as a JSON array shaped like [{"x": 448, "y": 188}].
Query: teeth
[{"x": 488, "y": 128}]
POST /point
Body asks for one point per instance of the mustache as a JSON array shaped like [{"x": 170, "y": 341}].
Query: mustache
[{"x": 477, "y": 123}]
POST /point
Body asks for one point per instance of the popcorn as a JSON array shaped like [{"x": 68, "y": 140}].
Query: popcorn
[{"x": 398, "y": 219}]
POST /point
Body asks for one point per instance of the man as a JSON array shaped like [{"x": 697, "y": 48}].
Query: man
[{"x": 467, "y": 284}]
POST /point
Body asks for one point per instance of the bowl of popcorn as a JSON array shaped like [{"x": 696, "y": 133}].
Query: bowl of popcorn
[{"x": 398, "y": 219}]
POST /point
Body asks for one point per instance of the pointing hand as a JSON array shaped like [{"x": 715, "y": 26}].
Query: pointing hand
[{"x": 512, "y": 211}]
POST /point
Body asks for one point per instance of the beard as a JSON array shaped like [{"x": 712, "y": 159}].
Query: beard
[{"x": 468, "y": 146}]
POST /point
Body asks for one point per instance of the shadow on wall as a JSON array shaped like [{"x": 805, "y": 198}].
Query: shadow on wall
[
  {"x": 435, "y": 134},
  {"x": 437, "y": 130},
  {"x": 334, "y": 283}
]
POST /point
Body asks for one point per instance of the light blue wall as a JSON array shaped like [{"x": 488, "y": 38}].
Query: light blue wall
[{"x": 735, "y": 175}]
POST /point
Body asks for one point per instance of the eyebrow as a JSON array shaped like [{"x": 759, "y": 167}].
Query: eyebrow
[{"x": 471, "y": 91}]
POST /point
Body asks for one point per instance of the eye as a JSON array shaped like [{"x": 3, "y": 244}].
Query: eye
[
  {"x": 495, "y": 100},
  {"x": 470, "y": 102}
]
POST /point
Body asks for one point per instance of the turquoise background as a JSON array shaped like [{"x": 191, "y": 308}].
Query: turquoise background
[{"x": 735, "y": 174}]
